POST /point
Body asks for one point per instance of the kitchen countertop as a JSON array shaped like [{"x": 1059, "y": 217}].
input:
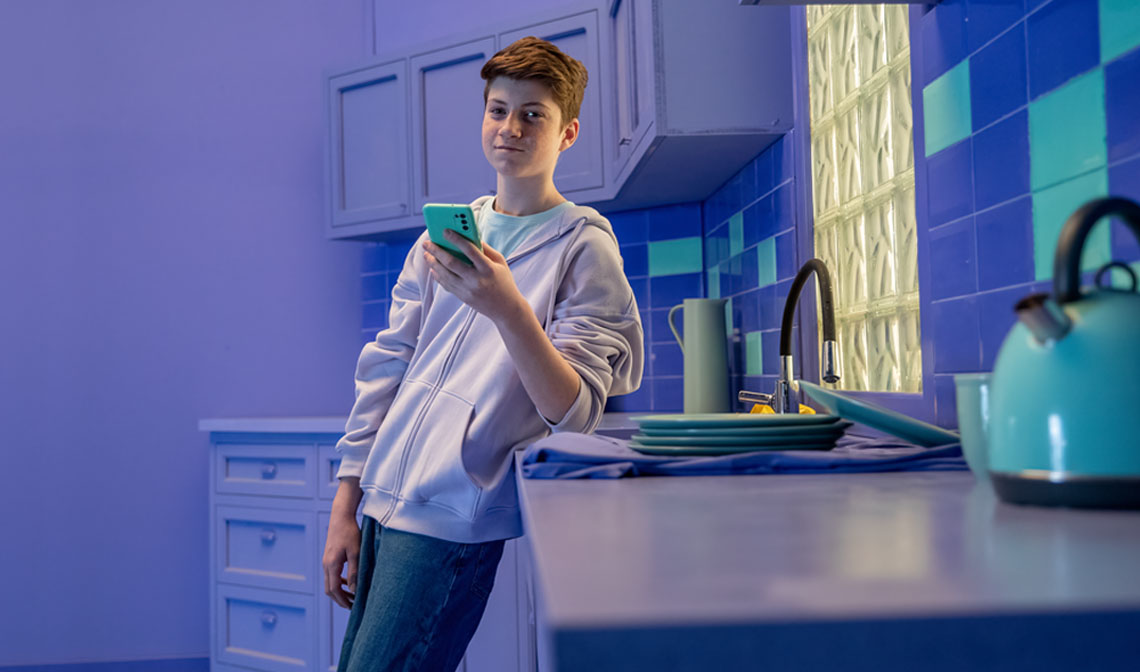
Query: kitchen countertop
[
  {"x": 921, "y": 570},
  {"x": 611, "y": 423}
]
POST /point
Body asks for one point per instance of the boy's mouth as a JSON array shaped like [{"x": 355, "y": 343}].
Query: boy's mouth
[{"x": 509, "y": 149}]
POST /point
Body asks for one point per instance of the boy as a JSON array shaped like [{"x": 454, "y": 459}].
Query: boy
[{"x": 478, "y": 361}]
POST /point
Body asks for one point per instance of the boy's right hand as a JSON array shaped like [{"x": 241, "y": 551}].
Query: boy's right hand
[{"x": 343, "y": 546}]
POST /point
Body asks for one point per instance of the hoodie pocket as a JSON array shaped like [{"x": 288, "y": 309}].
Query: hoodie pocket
[{"x": 436, "y": 474}]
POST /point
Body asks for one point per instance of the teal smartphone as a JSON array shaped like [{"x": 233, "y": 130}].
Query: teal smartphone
[{"x": 458, "y": 218}]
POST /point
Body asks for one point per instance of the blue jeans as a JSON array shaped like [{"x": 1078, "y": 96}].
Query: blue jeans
[{"x": 418, "y": 600}]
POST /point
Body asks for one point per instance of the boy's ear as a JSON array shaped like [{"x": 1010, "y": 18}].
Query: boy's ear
[{"x": 569, "y": 136}]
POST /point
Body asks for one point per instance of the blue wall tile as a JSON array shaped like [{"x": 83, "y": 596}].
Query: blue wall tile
[
  {"x": 957, "y": 335},
  {"x": 952, "y": 258},
  {"x": 998, "y": 78},
  {"x": 1124, "y": 179},
  {"x": 674, "y": 221},
  {"x": 784, "y": 208},
  {"x": 1001, "y": 161},
  {"x": 669, "y": 290},
  {"x": 989, "y": 19},
  {"x": 1005, "y": 244},
  {"x": 659, "y": 323},
  {"x": 630, "y": 226},
  {"x": 668, "y": 394},
  {"x": 1122, "y": 106},
  {"x": 374, "y": 257},
  {"x": 768, "y": 307},
  {"x": 1124, "y": 243},
  {"x": 640, "y": 400},
  {"x": 944, "y": 400},
  {"x": 943, "y": 39},
  {"x": 374, "y": 315},
  {"x": 747, "y": 308},
  {"x": 950, "y": 179},
  {"x": 374, "y": 287},
  {"x": 1064, "y": 41},
  {"x": 636, "y": 260},
  {"x": 640, "y": 288},
  {"x": 997, "y": 317},
  {"x": 770, "y": 347},
  {"x": 786, "y": 266},
  {"x": 667, "y": 359}
]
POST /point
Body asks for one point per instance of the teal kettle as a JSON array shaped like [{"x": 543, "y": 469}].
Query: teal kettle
[{"x": 1065, "y": 396}]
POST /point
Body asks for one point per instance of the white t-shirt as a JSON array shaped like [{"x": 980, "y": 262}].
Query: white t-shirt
[{"x": 506, "y": 232}]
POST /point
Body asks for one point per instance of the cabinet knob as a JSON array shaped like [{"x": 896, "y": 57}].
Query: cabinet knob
[
  {"x": 625, "y": 141},
  {"x": 269, "y": 470},
  {"x": 268, "y": 619},
  {"x": 268, "y": 535}
]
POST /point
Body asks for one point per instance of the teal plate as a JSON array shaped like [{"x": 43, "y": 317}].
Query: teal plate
[
  {"x": 761, "y": 442},
  {"x": 793, "y": 431},
  {"x": 681, "y": 451},
  {"x": 702, "y": 420},
  {"x": 883, "y": 419}
]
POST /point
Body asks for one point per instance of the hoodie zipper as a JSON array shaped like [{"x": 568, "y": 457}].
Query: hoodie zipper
[{"x": 423, "y": 412}]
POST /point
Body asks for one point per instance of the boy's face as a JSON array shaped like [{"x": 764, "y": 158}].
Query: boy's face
[{"x": 523, "y": 132}]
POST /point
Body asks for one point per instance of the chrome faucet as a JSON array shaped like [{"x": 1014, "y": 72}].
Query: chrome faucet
[{"x": 786, "y": 398}]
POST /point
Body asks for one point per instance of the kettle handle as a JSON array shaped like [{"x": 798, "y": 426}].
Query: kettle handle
[{"x": 1067, "y": 260}]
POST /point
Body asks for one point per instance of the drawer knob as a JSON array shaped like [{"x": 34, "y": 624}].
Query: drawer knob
[
  {"x": 268, "y": 535},
  {"x": 268, "y": 619},
  {"x": 269, "y": 470},
  {"x": 625, "y": 141}
]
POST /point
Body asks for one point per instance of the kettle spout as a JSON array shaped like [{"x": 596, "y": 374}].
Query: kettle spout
[{"x": 1043, "y": 317}]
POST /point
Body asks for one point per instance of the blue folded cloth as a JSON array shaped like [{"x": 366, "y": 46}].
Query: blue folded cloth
[{"x": 571, "y": 455}]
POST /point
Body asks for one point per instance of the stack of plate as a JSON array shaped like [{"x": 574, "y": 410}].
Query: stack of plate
[{"x": 724, "y": 433}]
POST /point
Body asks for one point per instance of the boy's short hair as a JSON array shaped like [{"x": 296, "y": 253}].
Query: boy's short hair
[{"x": 537, "y": 59}]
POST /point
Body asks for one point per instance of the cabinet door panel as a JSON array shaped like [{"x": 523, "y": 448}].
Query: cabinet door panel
[
  {"x": 447, "y": 121},
  {"x": 579, "y": 167},
  {"x": 631, "y": 59},
  {"x": 368, "y": 127}
]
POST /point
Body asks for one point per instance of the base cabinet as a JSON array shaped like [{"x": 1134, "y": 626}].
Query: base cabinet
[{"x": 269, "y": 504}]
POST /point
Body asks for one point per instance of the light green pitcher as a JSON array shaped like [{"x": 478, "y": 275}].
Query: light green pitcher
[{"x": 705, "y": 349}]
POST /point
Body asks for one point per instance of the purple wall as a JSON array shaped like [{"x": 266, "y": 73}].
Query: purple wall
[{"x": 161, "y": 261}]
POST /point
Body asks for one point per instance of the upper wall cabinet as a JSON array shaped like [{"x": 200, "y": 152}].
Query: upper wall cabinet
[
  {"x": 447, "y": 118},
  {"x": 681, "y": 95},
  {"x": 580, "y": 167},
  {"x": 370, "y": 165}
]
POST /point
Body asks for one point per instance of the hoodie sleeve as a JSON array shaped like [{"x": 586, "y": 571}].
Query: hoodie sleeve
[
  {"x": 596, "y": 326},
  {"x": 381, "y": 367}
]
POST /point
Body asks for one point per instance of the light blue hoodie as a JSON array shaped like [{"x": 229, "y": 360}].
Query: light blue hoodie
[{"x": 440, "y": 409}]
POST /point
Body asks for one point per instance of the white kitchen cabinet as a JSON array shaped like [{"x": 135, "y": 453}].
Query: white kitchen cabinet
[
  {"x": 681, "y": 96},
  {"x": 447, "y": 119},
  {"x": 369, "y": 160},
  {"x": 580, "y": 167},
  {"x": 272, "y": 482}
]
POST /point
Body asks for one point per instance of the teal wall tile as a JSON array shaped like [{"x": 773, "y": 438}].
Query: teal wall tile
[
  {"x": 1122, "y": 280},
  {"x": 1067, "y": 131},
  {"x": 675, "y": 256},
  {"x": 753, "y": 354},
  {"x": 713, "y": 283},
  {"x": 766, "y": 262},
  {"x": 1119, "y": 28},
  {"x": 946, "y": 108},
  {"x": 1052, "y": 206},
  {"x": 736, "y": 234}
]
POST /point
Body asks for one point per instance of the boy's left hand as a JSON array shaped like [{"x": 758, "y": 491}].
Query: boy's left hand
[{"x": 487, "y": 286}]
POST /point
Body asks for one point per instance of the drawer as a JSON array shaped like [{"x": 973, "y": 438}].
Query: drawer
[
  {"x": 264, "y": 629},
  {"x": 279, "y": 470},
  {"x": 267, "y": 548},
  {"x": 328, "y": 463}
]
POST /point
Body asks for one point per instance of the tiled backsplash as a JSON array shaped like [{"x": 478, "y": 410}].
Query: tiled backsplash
[{"x": 1030, "y": 109}]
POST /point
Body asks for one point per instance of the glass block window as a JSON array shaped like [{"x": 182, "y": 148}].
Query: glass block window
[{"x": 862, "y": 155}]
